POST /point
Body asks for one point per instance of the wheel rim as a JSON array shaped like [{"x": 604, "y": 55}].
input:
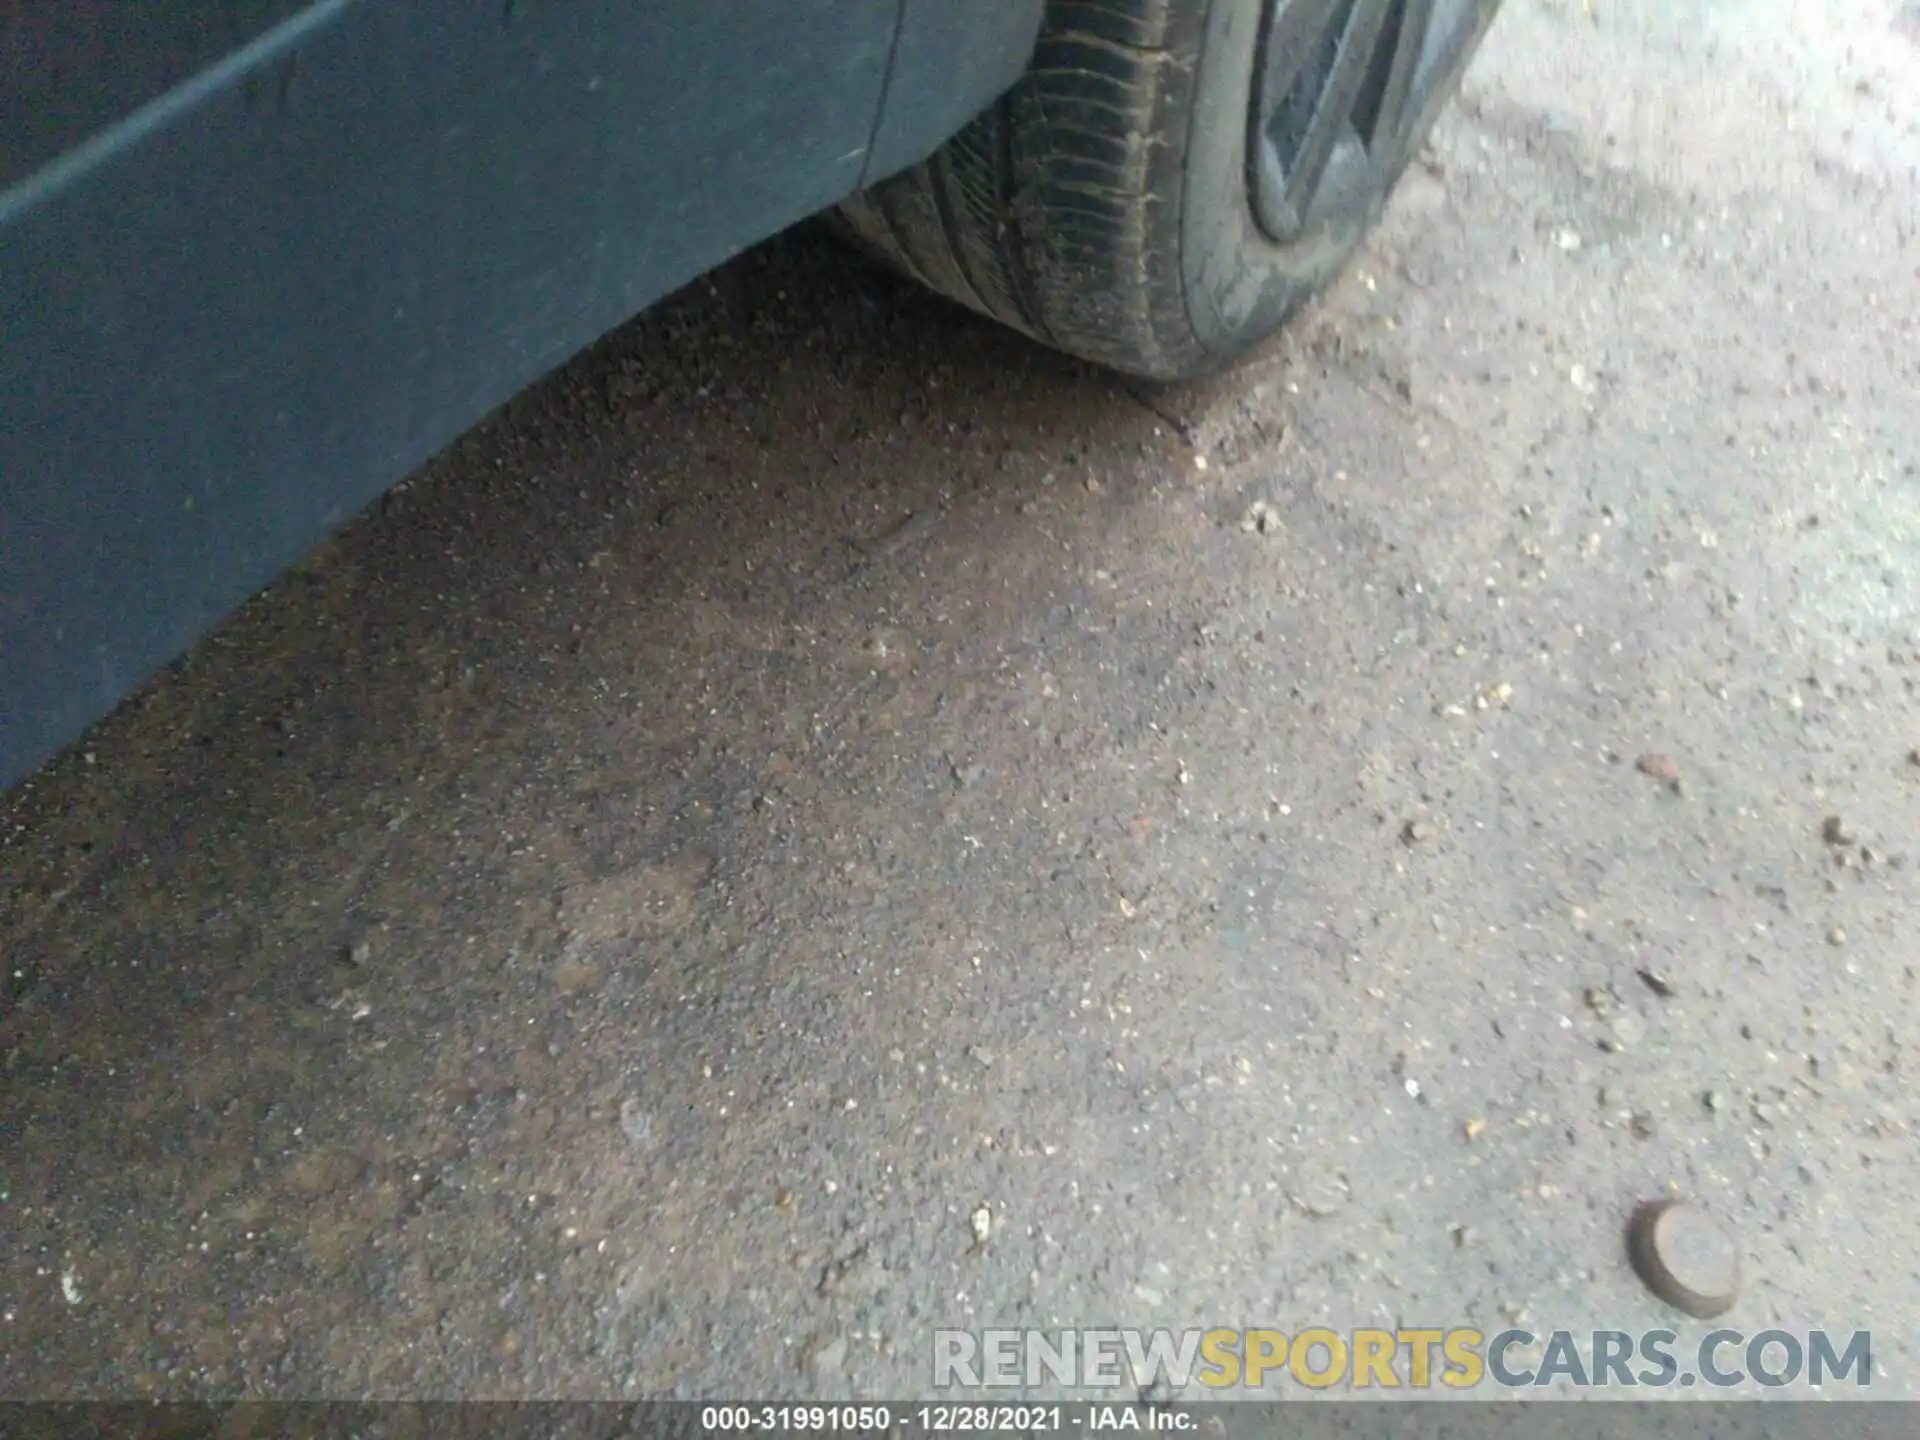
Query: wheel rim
[{"x": 1340, "y": 89}]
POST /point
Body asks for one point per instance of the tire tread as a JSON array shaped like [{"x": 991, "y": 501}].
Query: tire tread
[{"x": 1058, "y": 211}]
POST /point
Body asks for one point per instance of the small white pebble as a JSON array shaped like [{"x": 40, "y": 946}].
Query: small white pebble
[{"x": 981, "y": 1222}]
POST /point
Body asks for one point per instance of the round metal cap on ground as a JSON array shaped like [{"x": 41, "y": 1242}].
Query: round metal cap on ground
[{"x": 1684, "y": 1258}]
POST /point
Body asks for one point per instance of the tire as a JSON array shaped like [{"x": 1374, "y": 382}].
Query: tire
[{"x": 1128, "y": 201}]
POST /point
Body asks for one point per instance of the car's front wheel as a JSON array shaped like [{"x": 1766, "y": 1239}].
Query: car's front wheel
[{"x": 1172, "y": 178}]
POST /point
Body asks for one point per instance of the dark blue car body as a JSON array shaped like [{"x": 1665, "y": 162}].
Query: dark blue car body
[{"x": 260, "y": 259}]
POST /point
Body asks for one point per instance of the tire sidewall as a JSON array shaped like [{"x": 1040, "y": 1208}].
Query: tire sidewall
[{"x": 1240, "y": 285}]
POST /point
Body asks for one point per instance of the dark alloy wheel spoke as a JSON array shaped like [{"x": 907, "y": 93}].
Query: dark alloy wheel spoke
[
  {"x": 1408, "y": 39},
  {"x": 1340, "y": 82}
]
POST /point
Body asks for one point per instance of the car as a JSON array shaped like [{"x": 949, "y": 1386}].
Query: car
[{"x": 259, "y": 261}]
